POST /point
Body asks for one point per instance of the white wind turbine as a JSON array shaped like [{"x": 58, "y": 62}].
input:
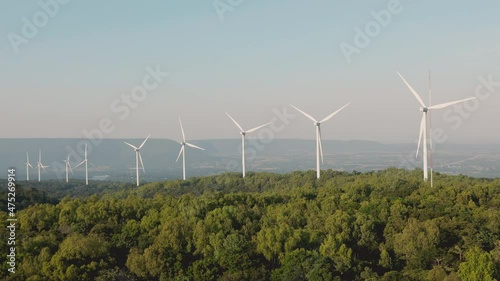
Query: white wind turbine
[
  {"x": 68, "y": 168},
  {"x": 183, "y": 151},
  {"x": 86, "y": 161},
  {"x": 243, "y": 133},
  {"x": 39, "y": 164},
  {"x": 319, "y": 147},
  {"x": 423, "y": 122},
  {"x": 138, "y": 157},
  {"x": 28, "y": 165}
]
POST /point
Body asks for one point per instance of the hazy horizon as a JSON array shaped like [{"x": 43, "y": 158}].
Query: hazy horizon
[{"x": 250, "y": 61}]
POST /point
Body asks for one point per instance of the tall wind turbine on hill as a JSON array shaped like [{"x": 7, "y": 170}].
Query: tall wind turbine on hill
[
  {"x": 86, "y": 161},
  {"x": 39, "y": 164},
  {"x": 68, "y": 168},
  {"x": 243, "y": 134},
  {"x": 183, "y": 151},
  {"x": 138, "y": 157},
  {"x": 423, "y": 123},
  {"x": 28, "y": 165},
  {"x": 319, "y": 147}
]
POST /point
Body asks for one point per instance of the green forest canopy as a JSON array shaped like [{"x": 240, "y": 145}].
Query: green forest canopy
[{"x": 386, "y": 225}]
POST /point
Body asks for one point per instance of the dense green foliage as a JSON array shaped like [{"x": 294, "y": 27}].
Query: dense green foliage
[{"x": 386, "y": 225}]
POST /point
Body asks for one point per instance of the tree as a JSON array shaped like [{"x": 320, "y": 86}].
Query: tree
[
  {"x": 478, "y": 266},
  {"x": 417, "y": 243}
]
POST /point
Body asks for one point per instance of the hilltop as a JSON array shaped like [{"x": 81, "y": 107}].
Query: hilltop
[
  {"x": 115, "y": 161},
  {"x": 385, "y": 225}
]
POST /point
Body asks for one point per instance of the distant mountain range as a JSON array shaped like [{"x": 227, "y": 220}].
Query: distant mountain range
[{"x": 114, "y": 160}]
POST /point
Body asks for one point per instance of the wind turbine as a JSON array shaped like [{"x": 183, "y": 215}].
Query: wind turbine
[
  {"x": 423, "y": 123},
  {"x": 39, "y": 164},
  {"x": 86, "y": 161},
  {"x": 138, "y": 157},
  {"x": 28, "y": 165},
  {"x": 183, "y": 151},
  {"x": 68, "y": 168},
  {"x": 243, "y": 133},
  {"x": 319, "y": 147}
]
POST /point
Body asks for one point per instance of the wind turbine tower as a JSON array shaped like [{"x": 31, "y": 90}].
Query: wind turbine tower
[
  {"x": 138, "y": 157},
  {"x": 68, "y": 168},
  {"x": 39, "y": 164},
  {"x": 423, "y": 123},
  {"x": 319, "y": 146},
  {"x": 243, "y": 134},
  {"x": 28, "y": 165},
  {"x": 183, "y": 151},
  {"x": 86, "y": 161}
]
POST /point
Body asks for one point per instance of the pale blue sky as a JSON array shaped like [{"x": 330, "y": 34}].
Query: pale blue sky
[{"x": 263, "y": 55}]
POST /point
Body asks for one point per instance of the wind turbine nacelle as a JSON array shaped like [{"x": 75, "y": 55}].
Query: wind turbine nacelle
[
  {"x": 243, "y": 133},
  {"x": 317, "y": 124},
  {"x": 424, "y": 109}
]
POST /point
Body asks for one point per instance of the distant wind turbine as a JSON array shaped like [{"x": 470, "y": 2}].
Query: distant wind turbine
[
  {"x": 319, "y": 147},
  {"x": 39, "y": 164},
  {"x": 243, "y": 133},
  {"x": 183, "y": 151},
  {"x": 68, "y": 168},
  {"x": 423, "y": 122},
  {"x": 86, "y": 161},
  {"x": 138, "y": 157},
  {"x": 28, "y": 165}
]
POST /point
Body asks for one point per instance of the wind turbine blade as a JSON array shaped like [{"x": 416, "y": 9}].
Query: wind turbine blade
[
  {"x": 422, "y": 127},
  {"x": 180, "y": 152},
  {"x": 92, "y": 164},
  {"x": 256, "y": 128},
  {"x": 43, "y": 167},
  {"x": 85, "y": 150},
  {"x": 443, "y": 105},
  {"x": 70, "y": 169},
  {"x": 142, "y": 144},
  {"x": 320, "y": 144},
  {"x": 79, "y": 164},
  {"x": 413, "y": 91},
  {"x": 142, "y": 164},
  {"x": 130, "y": 145},
  {"x": 30, "y": 165},
  {"x": 333, "y": 114},
  {"x": 236, "y": 123},
  {"x": 27, "y": 157},
  {"x": 182, "y": 130},
  {"x": 194, "y": 146},
  {"x": 305, "y": 114},
  {"x": 39, "y": 156}
]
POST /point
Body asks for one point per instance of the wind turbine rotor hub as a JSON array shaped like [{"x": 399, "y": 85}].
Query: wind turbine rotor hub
[
  {"x": 424, "y": 109},
  {"x": 243, "y": 133},
  {"x": 317, "y": 124}
]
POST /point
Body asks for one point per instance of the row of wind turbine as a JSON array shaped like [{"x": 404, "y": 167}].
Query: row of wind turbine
[
  {"x": 319, "y": 148},
  {"x": 66, "y": 161}
]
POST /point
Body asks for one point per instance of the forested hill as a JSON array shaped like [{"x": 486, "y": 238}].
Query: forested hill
[{"x": 386, "y": 225}]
